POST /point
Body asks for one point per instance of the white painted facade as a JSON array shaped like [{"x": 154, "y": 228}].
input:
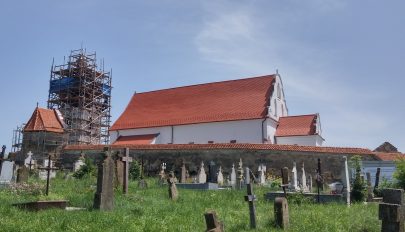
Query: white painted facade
[
  {"x": 242, "y": 131},
  {"x": 307, "y": 140}
]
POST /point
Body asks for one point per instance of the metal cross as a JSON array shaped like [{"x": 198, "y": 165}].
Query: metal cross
[
  {"x": 126, "y": 159},
  {"x": 250, "y": 198},
  {"x": 48, "y": 170}
]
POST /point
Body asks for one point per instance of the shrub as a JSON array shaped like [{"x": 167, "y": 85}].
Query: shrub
[
  {"x": 359, "y": 187},
  {"x": 399, "y": 173},
  {"x": 88, "y": 169},
  {"x": 134, "y": 170}
]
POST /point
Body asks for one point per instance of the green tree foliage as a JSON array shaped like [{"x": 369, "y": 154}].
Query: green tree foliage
[
  {"x": 134, "y": 170},
  {"x": 88, "y": 169},
  {"x": 359, "y": 187},
  {"x": 399, "y": 173}
]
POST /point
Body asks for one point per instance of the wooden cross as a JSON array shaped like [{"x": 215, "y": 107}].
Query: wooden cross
[
  {"x": 48, "y": 170},
  {"x": 250, "y": 198},
  {"x": 126, "y": 159}
]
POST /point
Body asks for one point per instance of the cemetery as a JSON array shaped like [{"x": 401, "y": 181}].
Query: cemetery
[{"x": 103, "y": 189}]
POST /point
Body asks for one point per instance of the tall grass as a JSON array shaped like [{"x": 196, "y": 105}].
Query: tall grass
[{"x": 151, "y": 210}]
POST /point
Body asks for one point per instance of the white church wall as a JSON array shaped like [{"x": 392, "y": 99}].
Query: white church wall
[
  {"x": 243, "y": 131},
  {"x": 307, "y": 140},
  {"x": 278, "y": 107},
  {"x": 271, "y": 126}
]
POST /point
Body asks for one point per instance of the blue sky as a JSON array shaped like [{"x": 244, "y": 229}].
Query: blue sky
[{"x": 342, "y": 59}]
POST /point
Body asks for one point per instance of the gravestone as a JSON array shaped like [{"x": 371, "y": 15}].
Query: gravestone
[
  {"x": 303, "y": 179},
  {"x": 377, "y": 179},
  {"x": 212, "y": 223},
  {"x": 183, "y": 177},
  {"x": 262, "y": 175},
  {"x": 347, "y": 181},
  {"x": 233, "y": 176},
  {"x": 173, "y": 194},
  {"x": 162, "y": 174},
  {"x": 284, "y": 180},
  {"x": 310, "y": 184},
  {"x": 6, "y": 171},
  {"x": 202, "y": 177},
  {"x": 250, "y": 198},
  {"x": 48, "y": 170},
  {"x": 294, "y": 182},
  {"x": 22, "y": 174},
  {"x": 119, "y": 173},
  {"x": 370, "y": 195},
  {"x": 391, "y": 211},
  {"x": 220, "y": 178},
  {"x": 319, "y": 180},
  {"x": 281, "y": 216},
  {"x": 240, "y": 178},
  {"x": 79, "y": 163},
  {"x": 126, "y": 160},
  {"x": 43, "y": 173},
  {"x": 28, "y": 160},
  {"x": 104, "y": 197},
  {"x": 212, "y": 172}
]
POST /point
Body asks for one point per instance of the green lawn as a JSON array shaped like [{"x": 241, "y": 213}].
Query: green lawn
[{"x": 151, "y": 210}]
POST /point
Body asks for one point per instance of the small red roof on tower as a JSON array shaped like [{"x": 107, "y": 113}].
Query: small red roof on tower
[
  {"x": 297, "y": 125},
  {"x": 212, "y": 102},
  {"x": 44, "y": 120}
]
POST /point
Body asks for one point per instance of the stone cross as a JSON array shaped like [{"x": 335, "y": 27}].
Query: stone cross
[
  {"x": 262, "y": 176},
  {"x": 294, "y": 182},
  {"x": 220, "y": 177},
  {"x": 104, "y": 197},
  {"x": 369, "y": 188},
  {"x": 126, "y": 160},
  {"x": 202, "y": 177},
  {"x": 304, "y": 179},
  {"x": 281, "y": 215},
  {"x": 183, "y": 173},
  {"x": 391, "y": 211},
  {"x": 48, "y": 170},
  {"x": 250, "y": 198},
  {"x": 377, "y": 179},
  {"x": 284, "y": 179},
  {"x": 211, "y": 220},
  {"x": 173, "y": 194},
  {"x": 347, "y": 180},
  {"x": 233, "y": 176}
]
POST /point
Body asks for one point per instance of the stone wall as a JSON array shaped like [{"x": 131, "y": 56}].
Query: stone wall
[{"x": 332, "y": 163}]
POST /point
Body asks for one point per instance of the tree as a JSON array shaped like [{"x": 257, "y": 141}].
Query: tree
[
  {"x": 399, "y": 173},
  {"x": 359, "y": 188}
]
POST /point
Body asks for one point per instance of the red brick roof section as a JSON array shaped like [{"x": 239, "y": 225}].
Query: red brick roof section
[
  {"x": 135, "y": 139},
  {"x": 229, "y": 146},
  {"x": 212, "y": 102},
  {"x": 296, "y": 125},
  {"x": 389, "y": 156},
  {"x": 44, "y": 120}
]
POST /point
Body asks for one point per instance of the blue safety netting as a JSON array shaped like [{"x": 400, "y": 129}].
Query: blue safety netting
[{"x": 62, "y": 84}]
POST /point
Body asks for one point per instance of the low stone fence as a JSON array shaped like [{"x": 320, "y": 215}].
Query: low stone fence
[{"x": 323, "y": 198}]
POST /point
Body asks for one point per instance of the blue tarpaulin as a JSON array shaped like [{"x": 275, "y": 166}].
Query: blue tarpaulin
[{"x": 62, "y": 84}]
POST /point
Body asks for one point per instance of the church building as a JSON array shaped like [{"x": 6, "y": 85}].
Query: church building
[{"x": 251, "y": 110}]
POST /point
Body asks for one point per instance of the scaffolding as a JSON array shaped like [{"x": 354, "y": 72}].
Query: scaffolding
[
  {"x": 16, "y": 142},
  {"x": 81, "y": 91}
]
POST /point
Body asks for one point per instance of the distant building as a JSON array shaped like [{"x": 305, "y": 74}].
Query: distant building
[
  {"x": 44, "y": 133},
  {"x": 251, "y": 110}
]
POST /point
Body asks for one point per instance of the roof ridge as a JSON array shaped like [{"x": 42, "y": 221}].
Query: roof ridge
[
  {"x": 299, "y": 115},
  {"x": 209, "y": 83}
]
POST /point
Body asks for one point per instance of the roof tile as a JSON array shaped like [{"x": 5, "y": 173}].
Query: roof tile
[
  {"x": 296, "y": 125},
  {"x": 44, "y": 120}
]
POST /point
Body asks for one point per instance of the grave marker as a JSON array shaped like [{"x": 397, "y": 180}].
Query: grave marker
[
  {"x": 284, "y": 179},
  {"x": 240, "y": 175},
  {"x": 250, "y": 198},
  {"x": 212, "y": 223},
  {"x": 173, "y": 194},
  {"x": 233, "y": 176},
  {"x": 319, "y": 180},
  {"x": 126, "y": 160},
  {"x": 183, "y": 177},
  {"x": 369, "y": 188},
  {"x": 377, "y": 179},
  {"x": 281, "y": 216},
  {"x": 391, "y": 211},
  {"x": 294, "y": 182},
  {"x": 304, "y": 179},
  {"x": 212, "y": 172},
  {"x": 104, "y": 197},
  {"x": 22, "y": 174},
  {"x": 202, "y": 177},
  {"x": 347, "y": 179},
  {"x": 48, "y": 170},
  {"x": 220, "y": 178},
  {"x": 162, "y": 174}
]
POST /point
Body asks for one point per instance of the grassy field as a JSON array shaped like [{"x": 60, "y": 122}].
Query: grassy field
[{"x": 151, "y": 210}]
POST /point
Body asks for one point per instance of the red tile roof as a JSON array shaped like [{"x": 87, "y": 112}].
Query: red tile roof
[
  {"x": 212, "y": 102},
  {"x": 135, "y": 139},
  {"x": 389, "y": 156},
  {"x": 296, "y": 125},
  {"x": 44, "y": 120},
  {"x": 225, "y": 146}
]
